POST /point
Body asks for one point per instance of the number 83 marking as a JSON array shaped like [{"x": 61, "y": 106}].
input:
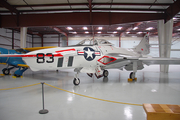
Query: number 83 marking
[{"x": 41, "y": 59}]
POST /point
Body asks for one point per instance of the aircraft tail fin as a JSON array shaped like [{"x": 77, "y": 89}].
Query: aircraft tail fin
[{"x": 143, "y": 46}]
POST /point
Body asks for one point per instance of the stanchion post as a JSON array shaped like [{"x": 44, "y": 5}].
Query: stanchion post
[{"x": 43, "y": 111}]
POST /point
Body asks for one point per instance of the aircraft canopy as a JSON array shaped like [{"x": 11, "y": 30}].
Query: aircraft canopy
[{"x": 88, "y": 42}]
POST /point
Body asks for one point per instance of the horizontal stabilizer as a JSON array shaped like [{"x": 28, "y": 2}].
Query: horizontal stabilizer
[
  {"x": 23, "y": 65},
  {"x": 150, "y": 61}
]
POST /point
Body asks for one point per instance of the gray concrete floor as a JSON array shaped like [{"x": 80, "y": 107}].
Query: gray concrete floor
[{"x": 25, "y": 103}]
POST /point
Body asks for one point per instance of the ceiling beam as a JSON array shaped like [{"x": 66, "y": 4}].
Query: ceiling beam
[
  {"x": 87, "y": 9},
  {"x": 90, "y": 11},
  {"x": 172, "y": 10},
  {"x": 8, "y": 6},
  {"x": 86, "y": 4},
  {"x": 82, "y": 18},
  {"x": 59, "y": 30}
]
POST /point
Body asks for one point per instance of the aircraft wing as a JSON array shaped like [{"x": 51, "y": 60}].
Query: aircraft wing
[
  {"x": 126, "y": 61},
  {"x": 146, "y": 60},
  {"x": 3, "y": 63},
  {"x": 38, "y": 48},
  {"x": 150, "y": 61}
]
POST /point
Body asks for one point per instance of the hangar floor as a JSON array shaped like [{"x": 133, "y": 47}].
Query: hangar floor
[{"x": 91, "y": 103}]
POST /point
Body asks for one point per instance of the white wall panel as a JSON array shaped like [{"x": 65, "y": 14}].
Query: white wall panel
[{"x": 6, "y": 39}]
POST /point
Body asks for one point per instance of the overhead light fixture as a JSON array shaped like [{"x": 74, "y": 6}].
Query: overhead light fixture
[
  {"x": 139, "y": 32},
  {"x": 69, "y": 28},
  {"x": 127, "y": 32},
  {"x": 114, "y": 32},
  {"x": 86, "y": 32},
  {"x": 178, "y": 29},
  {"x": 149, "y": 28},
  {"x": 99, "y": 28},
  {"x": 119, "y": 28},
  {"x": 73, "y": 32},
  {"x": 174, "y": 18},
  {"x": 99, "y": 32},
  {"x": 135, "y": 28},
  {"x": 85, "y": 28}
]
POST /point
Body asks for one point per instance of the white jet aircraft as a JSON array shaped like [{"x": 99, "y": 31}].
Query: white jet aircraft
[{"x": 93, "y": 56}]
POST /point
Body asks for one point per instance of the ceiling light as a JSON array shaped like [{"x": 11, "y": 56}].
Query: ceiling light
[
  {"x": 86, "y": 32},
  {"x": 119, "y": 28},
  {"x": 74, "y": 33},
  {"x": 135, "y": 28},
  {"x": 139, "y": 32},
  {"x": 99, "y": 32},
  {"x": 174, "y": 18},
  {"x": 99, "y": 28},
  {"x": 114, "y": 32},
  {"x": 69, "y": 28},
  {"x": 149, "y": 28},
  {"x": 178, "y": 29},
  {"x": 85, "y": 28},
  {"x": 127, "y": 32}
]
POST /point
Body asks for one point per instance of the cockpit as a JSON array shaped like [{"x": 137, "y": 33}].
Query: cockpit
[
  {"x": 22, "y": 51},
  {"x": 90, "y": 42}
]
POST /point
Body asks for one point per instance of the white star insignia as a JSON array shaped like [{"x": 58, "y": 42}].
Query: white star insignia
[{"x": 89, "y": 53}]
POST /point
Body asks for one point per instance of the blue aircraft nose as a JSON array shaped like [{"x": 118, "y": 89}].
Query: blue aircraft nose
[{"x": 3, "y": 51}]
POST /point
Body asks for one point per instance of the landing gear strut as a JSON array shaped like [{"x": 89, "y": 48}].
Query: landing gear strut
[
  {"x": 76, "y": 80},
  {"x": 132, "y": 75},
  {"x": 19, "y": 72}
]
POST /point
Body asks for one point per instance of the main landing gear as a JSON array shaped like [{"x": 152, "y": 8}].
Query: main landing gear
[
  {"x": 105, "y": 73},
  {"x": 17, "y": 73},
  {"x": 76, "y": 80},
  {"x": 132, "y": 77},
  {"x": 6, "y": 71}
]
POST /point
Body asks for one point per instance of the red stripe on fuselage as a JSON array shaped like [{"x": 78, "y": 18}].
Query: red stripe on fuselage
[
  {"x": 66, "y": 50},
  {"x": 80, "y": 52}
]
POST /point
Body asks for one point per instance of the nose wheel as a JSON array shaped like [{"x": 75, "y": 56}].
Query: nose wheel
[{"x": 76, "y": 81}]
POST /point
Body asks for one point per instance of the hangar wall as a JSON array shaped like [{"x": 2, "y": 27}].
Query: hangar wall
[
  {"x": 58, "y": 40},
  {"x": 50, "y": 40},
  {"x": 6, "y": 39}
]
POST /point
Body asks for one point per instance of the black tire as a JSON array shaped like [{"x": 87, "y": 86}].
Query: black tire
[
  {"x": 132, "y": 75},
  {"x": 6, "y": 71},
  {"x": 105, "y": 73},
  {"x": 76, "y": 81}
]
